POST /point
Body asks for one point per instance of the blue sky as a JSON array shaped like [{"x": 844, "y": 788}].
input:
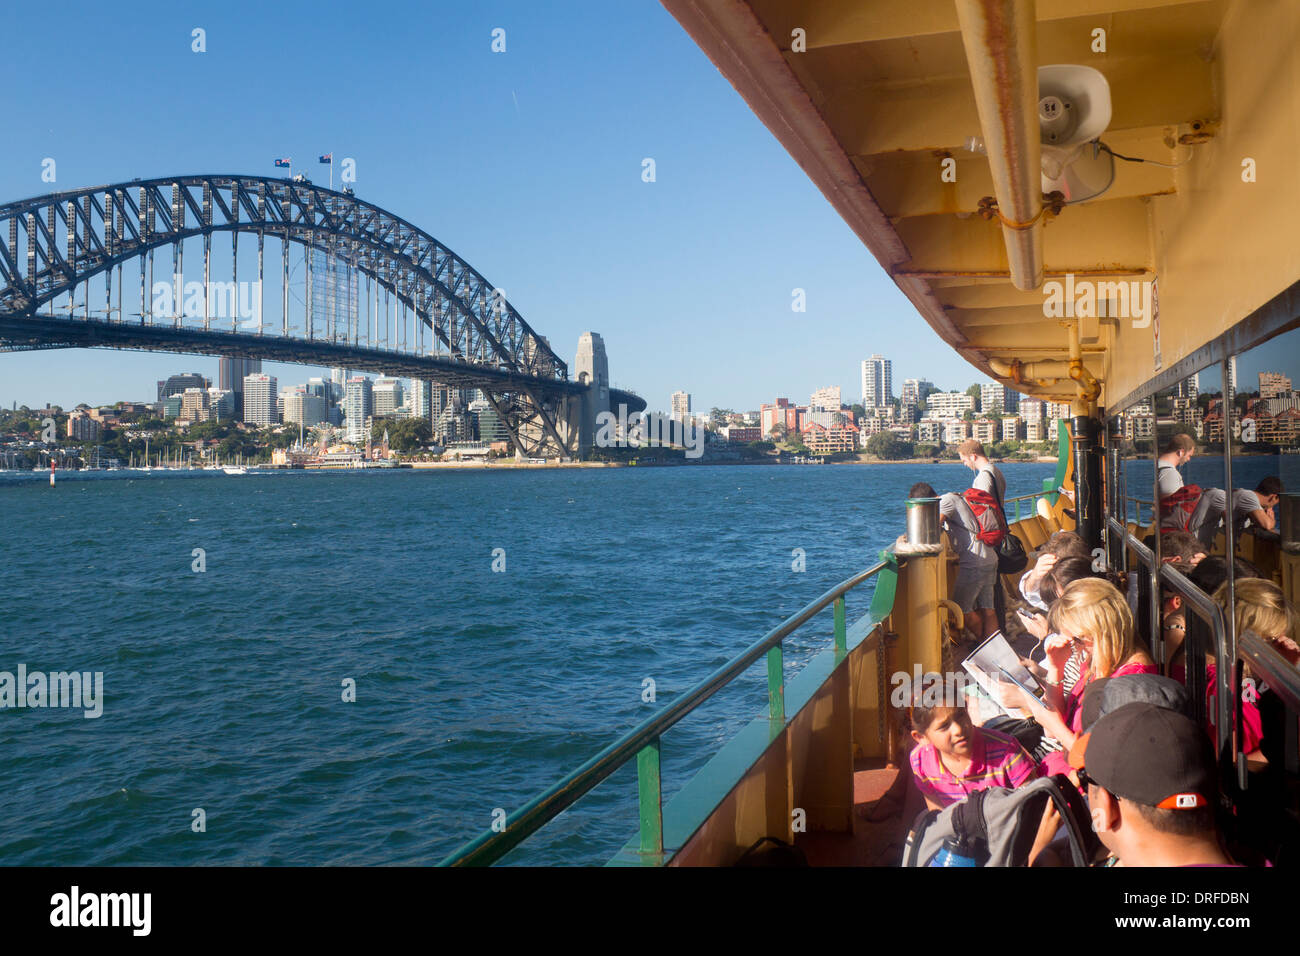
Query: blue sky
[{"x": 526, "y": 163}]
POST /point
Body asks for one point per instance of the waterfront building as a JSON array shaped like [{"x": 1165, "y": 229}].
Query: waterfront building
[
  {"x": 386, "y": 394},
  {"x": 454, "y": 423},
  {"x": 1011, "y": 430},
  {"x": 827, "y": 441},
  {"x": 304, "y": 406},
  {"x": 991, "y": 399},
  {"x": 984, "y": 430},
  {"x": 1282, "y": 403},
  {"x": 171, "y": 406},
  {"x": 1188, "y": 387},
  {"x": 681, "y": 406},
  {"x": 358, "y": 406},
  {"x": 780, "y": 413},
  {"x": 422, "y": 400},
  {"x": 194, "y": 405},
  {"x": 1273, "y": 384},
  {"x": 943, "y": 405},
  {"x": 1187, "y": 412},
  {"x": 740, "y": 434},
  {"x": 1033, "y": 409},
  {"x": 487, "y": 422},
  {"x": 877, "y": 381},
  {"x": 1035, "y": 430},
  {"x": 1139, "y": 422},
  {"x": 929, "y": 432},
  {"x": 260, "y": 405},
  {"x": 82, "y": 427},
  {"x": 955, "y": 430}
]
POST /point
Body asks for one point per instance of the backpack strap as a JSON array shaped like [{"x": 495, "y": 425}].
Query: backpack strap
[
  {"x": 919, "y": 826},
  {"x": 1058, "y": 787}
]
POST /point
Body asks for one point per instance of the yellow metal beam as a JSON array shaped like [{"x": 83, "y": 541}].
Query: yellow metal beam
[
  {"x": 1102, "y": 235},
  {"x": 831, "y": 23},
  {"x": 938, "y": 113}
]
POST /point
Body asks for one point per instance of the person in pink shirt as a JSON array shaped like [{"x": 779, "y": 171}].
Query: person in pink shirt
[
  {"x": 1091, "y": 617},
  {"x": 953, "y": 758}
]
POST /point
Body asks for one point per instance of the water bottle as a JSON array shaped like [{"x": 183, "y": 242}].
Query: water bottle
[{"x": 953, "y": 853}]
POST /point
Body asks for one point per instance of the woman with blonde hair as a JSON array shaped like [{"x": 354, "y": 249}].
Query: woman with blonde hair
[
  {"x": 1262, "y": 608},
  {"x": 1093, "y": 617}
]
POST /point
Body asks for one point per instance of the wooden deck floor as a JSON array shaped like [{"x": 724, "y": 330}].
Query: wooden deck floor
[{"x": 885, "y": 802}]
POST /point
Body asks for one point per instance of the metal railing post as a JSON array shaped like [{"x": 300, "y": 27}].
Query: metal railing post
[
  {"x": 650, "y": 798},
  {"x": 841, "y": 631},
  {"x": 776, "y": 683}
]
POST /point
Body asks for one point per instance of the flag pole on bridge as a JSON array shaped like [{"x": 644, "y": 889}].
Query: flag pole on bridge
[{"x": 328, "y": 160}]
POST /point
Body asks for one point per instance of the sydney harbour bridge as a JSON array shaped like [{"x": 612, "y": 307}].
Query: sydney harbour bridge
[{"x": 376, "y": 292}]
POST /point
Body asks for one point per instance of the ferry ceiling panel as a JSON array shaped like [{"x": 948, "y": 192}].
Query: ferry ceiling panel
[{"x": 921, "y": 122}]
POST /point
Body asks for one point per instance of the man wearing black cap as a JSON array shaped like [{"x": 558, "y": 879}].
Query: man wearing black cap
[{"x": 1151, "y": 787}]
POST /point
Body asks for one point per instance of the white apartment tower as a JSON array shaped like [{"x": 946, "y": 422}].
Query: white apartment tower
[
  {"x": 877, "y": 382},
  {"x": 260, "y": 399},
  {"x": 681, "y": 406}
]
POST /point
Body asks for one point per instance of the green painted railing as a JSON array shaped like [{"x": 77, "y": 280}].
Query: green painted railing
[{"x": 643, "y": 741}]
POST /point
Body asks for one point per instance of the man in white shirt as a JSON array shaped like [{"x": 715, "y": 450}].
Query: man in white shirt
[{"x": 988, "y": 477}]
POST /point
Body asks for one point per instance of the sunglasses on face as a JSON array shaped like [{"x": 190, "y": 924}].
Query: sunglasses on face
[{"x": 1085, "y": 780}]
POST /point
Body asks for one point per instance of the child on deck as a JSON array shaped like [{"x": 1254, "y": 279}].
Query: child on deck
[{"x": 953, "y": 758}]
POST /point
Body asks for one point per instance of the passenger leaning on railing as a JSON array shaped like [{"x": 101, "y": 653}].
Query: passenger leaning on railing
[
  {"x": 977, "y": 562},
  {"x": 1092, "y": 617}
]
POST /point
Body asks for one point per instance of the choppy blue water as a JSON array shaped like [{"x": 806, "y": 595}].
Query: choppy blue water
[{"x": 474, "y": 690}]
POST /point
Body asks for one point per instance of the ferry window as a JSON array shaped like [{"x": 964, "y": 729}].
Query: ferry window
[{"x": 1265, "y": 436}]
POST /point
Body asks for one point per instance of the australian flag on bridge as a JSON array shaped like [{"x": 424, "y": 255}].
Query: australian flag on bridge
[
  {"x": 284, "y": 162},
  {"x": 327, "y": 158}
]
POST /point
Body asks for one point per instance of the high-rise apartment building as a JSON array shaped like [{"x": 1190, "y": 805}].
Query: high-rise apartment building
[
  {"x": 877, "y": 382},
  {"x": 259, "y": 399},
  {"x": 681, "y": 406},
  {"x": 915, "y": 390},
  {"x": 386, "y": 393},
  {"x": 358, "y": 406},
  {"x": 303, "y": 405},
  {"x": 422, "y": 400},
  {"x": 231, "y": 373}
]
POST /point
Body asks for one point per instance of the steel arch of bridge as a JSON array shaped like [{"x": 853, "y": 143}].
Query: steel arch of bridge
[{"x": 51, "y": 244}]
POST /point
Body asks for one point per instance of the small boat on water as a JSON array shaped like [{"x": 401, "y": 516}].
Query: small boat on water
[{"x": 234, "y": 469}]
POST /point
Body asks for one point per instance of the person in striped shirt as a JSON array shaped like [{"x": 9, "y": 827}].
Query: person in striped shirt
[{"x": 953, "y": 758}]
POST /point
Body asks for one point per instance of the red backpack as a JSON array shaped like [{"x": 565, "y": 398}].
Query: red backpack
[
  {"x": 981, "y": 502},
  {"x": 1176, "y": 509}
]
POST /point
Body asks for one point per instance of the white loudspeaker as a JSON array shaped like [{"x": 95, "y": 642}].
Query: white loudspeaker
[{"x": 1073, "y": 111}]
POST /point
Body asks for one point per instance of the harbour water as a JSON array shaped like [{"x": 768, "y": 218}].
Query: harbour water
[{"x": 223, "y": 687}]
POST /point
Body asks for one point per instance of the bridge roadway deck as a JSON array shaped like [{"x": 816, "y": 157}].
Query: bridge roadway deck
[{"x": 22, "y": 332}]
